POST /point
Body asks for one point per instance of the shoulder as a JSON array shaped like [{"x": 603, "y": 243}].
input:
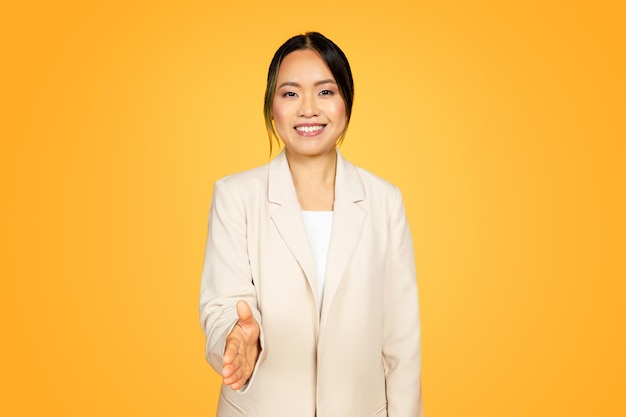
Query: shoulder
[
  {"x": 375, "y": 187},
  {"x": 382, "y": 198},
  {"x": 382, "y": 195},
  {"x": 374, "y": 182},
  {"x": 246, "y": 180},
  {"x": 242, "y": 188}
]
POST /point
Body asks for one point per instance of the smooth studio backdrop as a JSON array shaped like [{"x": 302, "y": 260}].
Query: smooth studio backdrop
[{"x": 502, "y": 122}]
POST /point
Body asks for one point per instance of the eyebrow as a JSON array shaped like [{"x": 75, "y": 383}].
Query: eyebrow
[{"x": 294, "y": 84}]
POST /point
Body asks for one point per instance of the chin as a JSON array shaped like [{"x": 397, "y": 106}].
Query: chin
[{"x": 310, "y": 151}]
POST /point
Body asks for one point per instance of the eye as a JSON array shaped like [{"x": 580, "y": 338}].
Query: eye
[
  {"x": 326, "y": 93},
  {"x": 290, "y": 94}
]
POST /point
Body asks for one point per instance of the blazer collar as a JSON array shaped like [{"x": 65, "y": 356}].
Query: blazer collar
[
  {"x": 348, "y": 217},
  {"x": 348, "y": 185}
]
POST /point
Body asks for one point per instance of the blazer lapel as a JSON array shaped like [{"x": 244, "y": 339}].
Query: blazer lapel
[
  {"x": 287, "y": 217},
  {"x": 348, "y": 219}
]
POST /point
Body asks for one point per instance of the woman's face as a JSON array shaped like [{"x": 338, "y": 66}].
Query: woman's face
[{"x": 308, "y": 111}]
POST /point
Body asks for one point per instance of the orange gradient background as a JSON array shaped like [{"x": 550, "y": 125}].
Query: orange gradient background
[{"x": 502, "y": 122}]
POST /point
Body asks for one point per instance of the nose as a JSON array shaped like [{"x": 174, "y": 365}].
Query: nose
[{"x": 308, "y": 106}]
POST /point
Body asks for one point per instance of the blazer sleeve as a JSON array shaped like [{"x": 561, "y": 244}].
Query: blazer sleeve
[
  {"x": 401, "y": 323},
  {"x": 226, "y": 276}
]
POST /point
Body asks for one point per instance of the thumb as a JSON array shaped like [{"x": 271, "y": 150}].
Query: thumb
[{"x": 245, "y": 313}]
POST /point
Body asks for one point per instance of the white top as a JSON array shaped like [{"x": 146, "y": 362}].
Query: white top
[{"x": 318, "y": 226}]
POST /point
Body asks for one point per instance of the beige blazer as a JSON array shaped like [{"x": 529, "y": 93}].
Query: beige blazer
[{"x": 360, "y": 355}]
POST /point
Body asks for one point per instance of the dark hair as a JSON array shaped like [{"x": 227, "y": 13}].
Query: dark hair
[{"x": 334, "y": 58}]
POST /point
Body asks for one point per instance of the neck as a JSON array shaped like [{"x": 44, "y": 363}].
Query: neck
[
  {"x": 318, "y": 169},
  {"x": 314, "y": 180}
]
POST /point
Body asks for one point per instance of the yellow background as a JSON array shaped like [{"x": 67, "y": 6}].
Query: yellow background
[{"x": 502, "y": 122}]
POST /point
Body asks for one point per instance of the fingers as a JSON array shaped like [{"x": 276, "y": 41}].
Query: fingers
[
  {"x": 232, "y": 369},
  {"x": 231, "y": 351},
  {"x": 236, "y": 383},
  {"x": 242, "y": 348},
  {"x": 235, "y": 376},
  {"x": 236, "y": 370}
]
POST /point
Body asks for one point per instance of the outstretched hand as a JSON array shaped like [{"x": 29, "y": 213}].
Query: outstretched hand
[{"x": 242, "y": 348}]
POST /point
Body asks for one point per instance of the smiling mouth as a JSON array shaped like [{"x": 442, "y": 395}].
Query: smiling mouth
[{"x": 310, "y": 129}]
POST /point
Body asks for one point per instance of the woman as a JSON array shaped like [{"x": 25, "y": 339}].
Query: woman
[{"x": 308, "y": 297}]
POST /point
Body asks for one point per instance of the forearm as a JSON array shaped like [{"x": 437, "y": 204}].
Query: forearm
[{"x": 226, "y": 275}]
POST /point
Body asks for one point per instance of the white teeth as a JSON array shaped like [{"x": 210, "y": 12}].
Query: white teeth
[{"x": 309, "y": 129}]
